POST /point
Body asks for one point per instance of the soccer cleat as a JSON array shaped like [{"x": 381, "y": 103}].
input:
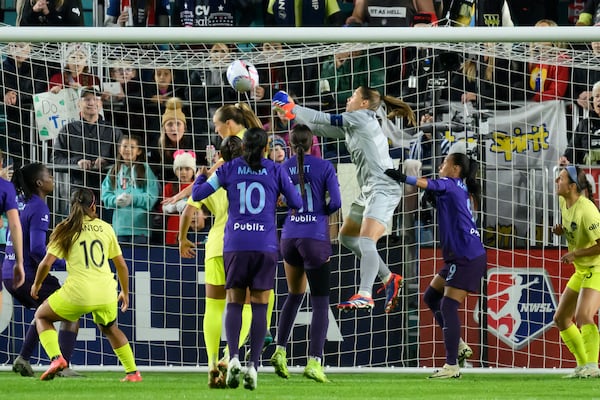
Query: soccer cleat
[
  {"x": 464, "y": 352},
  {"x": 357, "y": 302},
  {"x": 222, "y": 367},
  {"x": 576, "y": 372},
  {"x": 234, "y": 369},
  {"x": 22, "y": 366},
  {"x": 447, "y": 371},
  {"x": 266, "y": 343},
  {"x": 69, "y": 373},
  {"x": 392, "y": 292},
  {"x": 589, "y": 371},
  {"x": 216, "y": 380},
  {"x": 132, "y": 377},
  {"x": 279, "y": 363},
  {"x": 314, "y": 371},
  {"x": 57, "y": 364},
  {"x": 250, "y": 378}
]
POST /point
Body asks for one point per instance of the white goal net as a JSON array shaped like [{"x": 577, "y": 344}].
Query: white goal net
[{"x": 521, "y": 111}]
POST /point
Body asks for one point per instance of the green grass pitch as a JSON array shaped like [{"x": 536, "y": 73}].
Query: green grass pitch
[{"x": 363, "y": 386}]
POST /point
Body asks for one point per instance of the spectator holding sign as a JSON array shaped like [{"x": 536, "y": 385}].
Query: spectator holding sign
[{"x": 20, "y": 79}]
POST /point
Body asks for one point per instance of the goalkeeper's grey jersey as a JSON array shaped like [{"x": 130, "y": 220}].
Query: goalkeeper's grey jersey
[{"x": 365, "y": 140}]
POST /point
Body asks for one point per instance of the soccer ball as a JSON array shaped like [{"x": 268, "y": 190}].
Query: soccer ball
[{"x": 242, "y": 76}]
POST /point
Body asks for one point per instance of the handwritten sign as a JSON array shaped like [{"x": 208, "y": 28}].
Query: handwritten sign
[{"x": 53, "y": 111}]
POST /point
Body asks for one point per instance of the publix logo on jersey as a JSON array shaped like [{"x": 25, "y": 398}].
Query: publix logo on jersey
[{"x": 520, "y": 304}]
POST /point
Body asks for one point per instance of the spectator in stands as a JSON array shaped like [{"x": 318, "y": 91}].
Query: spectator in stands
[
  {"x": 487, "y": 81},
  {"x": 212, "y": 323},
  {"x": 277, "y": 149},
  {"x": 281, "y": 127},
  {"x": 210, "y": 88},
  {"x": 131, "y": 189},
  {"x": 580, "y": 300},
  {"x": 548, "y": 81},
  {"x": 156, "y": 94},
  {"x": 50, "y": 13},
  {"x": 34, "y": 183},
  {"x": 400, "y": 13},
  {"x": 590, "y": 15},
  {"x": 131, "y": 13},
  {"x": 173, "y": 137},
  {"x": 350, "y": 69},
  {"x": 527, "y": 13},
  {"x": 88, "y": 288},
  {"x": 125, "y": 106},
  {"x": 76, "y": 70},
  {"x": 19, "y": 80},
  {"x": 279, "y": 74},
  {"x": 220, "y": 13},
  {"x": 306, "y": 248},
  {"x": 584, "y": 146},
  {"x": 184, "y": 166},
  {"x": 249, "y": 254},
  {"x": 300, "y": 13},
  {"x": 584, "y": 79},
  {"x": 87, "y": 146}
]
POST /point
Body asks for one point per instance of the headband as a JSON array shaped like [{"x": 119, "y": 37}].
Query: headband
[{"x": 572, "y": 171}]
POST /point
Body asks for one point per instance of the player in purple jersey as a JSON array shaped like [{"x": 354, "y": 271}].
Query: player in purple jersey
[
  {"x": 34, "y": 183},
  {"x": 306, "y": 249},
  {"x": 8, "y": 205},
  {"x": 253, "y": 184},
  {"x": 465, "y": 259}
]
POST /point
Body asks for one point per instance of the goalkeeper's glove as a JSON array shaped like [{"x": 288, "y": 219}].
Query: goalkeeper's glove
[
  {"x": 283, "y": 101},
  {"x": 396, "y": 174}
]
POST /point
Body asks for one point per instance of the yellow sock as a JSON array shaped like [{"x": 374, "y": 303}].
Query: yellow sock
[
  {"x": 212, "y": 325},
  {"x": 270, "y": 306},
  {"x": 574, "y": 341},
  {"x": 591, "y": 342},
  {"x": 246, "y": 322},
  {"x": 125, "y": 355},
  {"x": 49, "y": 341}
]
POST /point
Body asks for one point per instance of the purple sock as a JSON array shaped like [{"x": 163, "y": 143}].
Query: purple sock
[
  {"x": 318, "y": 325},
  {"x": 233, "y": 324},
  {"x": 31, "y": 341},
  {"x": 258, "y": 330},
  {"x": 66, "y": 341},
  {"x": 287, "y": 317},
  {"x": 451, "y": 329},
  {"x": 432, "y": 298}
]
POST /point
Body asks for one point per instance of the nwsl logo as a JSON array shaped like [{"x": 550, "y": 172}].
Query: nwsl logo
[{"x": 521, "y": 304}]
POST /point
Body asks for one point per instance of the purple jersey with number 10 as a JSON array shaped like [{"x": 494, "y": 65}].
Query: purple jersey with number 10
[
  {"x": 312, "y": 221},
  {"x": 252, "y": 196}
]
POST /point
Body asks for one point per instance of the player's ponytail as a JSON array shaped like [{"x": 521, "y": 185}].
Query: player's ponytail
[
  {"x": 301, "y": 141},
  {"x": 468, "y": 172},
  {"x": 83, "y": 202},
  {"x": 255, "y": 142}
]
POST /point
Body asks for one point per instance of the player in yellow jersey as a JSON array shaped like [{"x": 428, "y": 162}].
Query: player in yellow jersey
[
  {"x": 580, "y": 301},
  {"x": 86, "y": 243},
  {"x": 214, "y": 269}
]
